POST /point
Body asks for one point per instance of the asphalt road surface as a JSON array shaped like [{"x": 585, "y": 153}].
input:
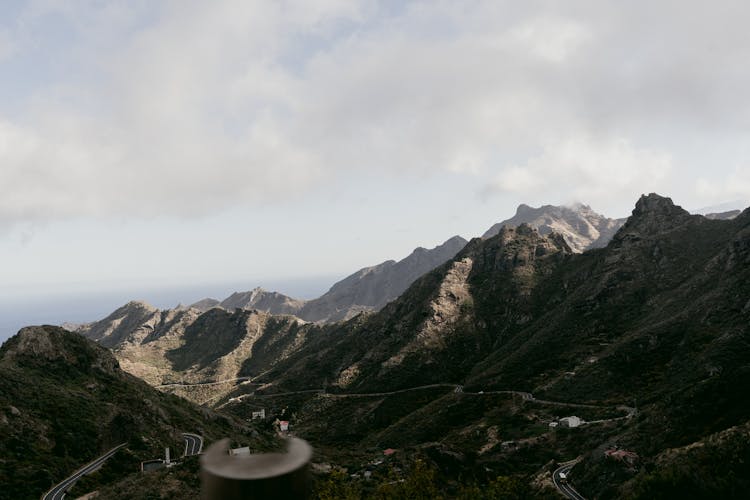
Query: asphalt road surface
[
  {"x": 58, "y": 491},
  {"x": 193, "y": 444},
  {"x": 563, "y": 485}
]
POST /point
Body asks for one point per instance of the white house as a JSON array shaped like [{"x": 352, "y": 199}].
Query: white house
[
  {"x": 260, "y": 414},
  {"x": 571, "y": 421}
]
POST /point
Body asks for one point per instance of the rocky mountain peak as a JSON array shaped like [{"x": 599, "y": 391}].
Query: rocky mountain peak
[
  {"x": 37, "y": 345},
  {"x": 258, "y": 298},
  {"x": 654, "y": 204},
  {"x": 581, "y": 226},
  {"x": 455, "y": 240},
  {"x": 34, "y": 341},
  {"x": 139, "y": 304},
  {"x": 653, "y": 215},
  {"x": 523, "y": 209},
  {"x": 521, "y": 244},
  {"x": 205, "y": 304}
]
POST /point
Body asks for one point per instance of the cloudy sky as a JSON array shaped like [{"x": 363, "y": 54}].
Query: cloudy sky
[{"x": 155, "y": 144}]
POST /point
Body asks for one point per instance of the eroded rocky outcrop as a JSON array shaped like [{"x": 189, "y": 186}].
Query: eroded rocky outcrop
[{"x": 582, "y": 227}]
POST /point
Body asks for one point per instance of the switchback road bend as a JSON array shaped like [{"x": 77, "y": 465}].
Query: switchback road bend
[{"x": 193, "y": 444}]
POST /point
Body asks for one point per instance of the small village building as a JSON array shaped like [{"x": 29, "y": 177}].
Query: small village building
[
  {"x": 283, "y": 425},
  {"x": 260, "y": 414},
  {"x": 571, "y": 421},
  {"x": 552, "y": 425}
]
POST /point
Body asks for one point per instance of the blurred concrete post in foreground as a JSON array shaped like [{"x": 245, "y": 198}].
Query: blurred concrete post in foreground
[{"x": 262, "y": 476}]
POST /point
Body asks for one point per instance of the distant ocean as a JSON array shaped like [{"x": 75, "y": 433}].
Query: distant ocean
[{"x": 92, "y": 306}]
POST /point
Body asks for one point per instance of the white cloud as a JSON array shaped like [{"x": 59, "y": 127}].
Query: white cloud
[
  {"x": 584, "y": 168},
  {"x": 191, "y": 107},
  {"x": 735, "y": 185},
  {"x": 549, "y": 38}
]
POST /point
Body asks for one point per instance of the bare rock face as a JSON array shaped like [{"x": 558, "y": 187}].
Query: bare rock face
[
  {"x": 371, "y": 288},
  {"x": 581, "y": 226},
  {"x": 453, "y": 294},
  {"x": 134, "y": 318}
]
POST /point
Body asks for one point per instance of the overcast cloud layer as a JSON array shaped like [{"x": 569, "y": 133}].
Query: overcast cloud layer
[{"x": 182, "y": 108}]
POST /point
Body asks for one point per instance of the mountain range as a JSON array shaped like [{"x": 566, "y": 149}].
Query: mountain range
[
  {"x": 655, "y": 321},
  {"x": 367, "y": 289},
  {"x": 142, "y": 335},
  {"x": 641, "y": 331}
]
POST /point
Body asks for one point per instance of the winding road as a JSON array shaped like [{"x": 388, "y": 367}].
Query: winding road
[
  {"x": 458, "y": 389},
  {"x": 58, "y": 491},
  {"x": 560, "y": 478},
  {"x": 198, "y": 384},
  {"x": 193, "y": 444}
]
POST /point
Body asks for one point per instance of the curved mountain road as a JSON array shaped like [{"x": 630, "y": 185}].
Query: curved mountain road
[
  {"x": 457, "y": 388},
  {"x": 200, "y": 384},
  {"x": 58, "y": 491},
  {"x": 560, "y": 479},
  {"x": 193, "y": 444}
]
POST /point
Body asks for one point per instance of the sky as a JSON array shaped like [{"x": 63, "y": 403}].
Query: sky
[{"x": 150, "y": 149}]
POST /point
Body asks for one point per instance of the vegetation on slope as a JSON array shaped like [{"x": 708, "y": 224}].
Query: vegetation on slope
[{"x": 64, "y": 401}]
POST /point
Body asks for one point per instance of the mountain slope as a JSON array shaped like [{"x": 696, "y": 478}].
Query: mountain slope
[
  {"x": 64, "y": 400},
  {"x": 136, "y": 318},
  {"x": 657, "y": 319},
  {"x": 371, "y": 288},
  {"x": 190, "y": 346},
  {"x": 217, "y": 341},
  {"x": 581, "y": 227},
  {"x": 536, "y": 311},
  {"x": 430, "y": 333}
]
